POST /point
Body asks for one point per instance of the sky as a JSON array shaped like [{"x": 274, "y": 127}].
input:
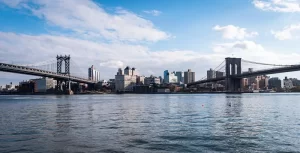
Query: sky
[{"x": 151, "y": 36}]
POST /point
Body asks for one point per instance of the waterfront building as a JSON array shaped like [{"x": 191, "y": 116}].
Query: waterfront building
[
  {"x": 296, "y": 82},
  {"x": 26, "y": 87},
  {"x": 275, "y": 83},
  {"x": 169, "y": 77},
  {"x": 189, "y": 76},
  {"x": 125, "y": 82},
  {"x": 140, "y": 80},
  {"x": 179, "y": 75},
  {"x": 161, "y": 80},
  {"x": 252, "y": 80},
  {"x": 219, "y": 74},
  {"x": 163, "y": 90},
  {"x": 10, "y": 87},
  {"x": 112, "y": 84},
  {"x": 256, "y": 82},
  {"x": 151, "y": 80},
  {"x": 245, "y": 82},
  {"x": 211, "y": 74},
  {"x": 44, "y": 84},
  {"x": 264, "y": 82},
  {"x": 144, "y": 89},
  {"x": 93, "y": 74},
  {"x": 287, "y": 83}
]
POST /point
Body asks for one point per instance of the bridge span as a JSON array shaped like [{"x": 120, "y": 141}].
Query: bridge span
[
  {"x": 233, "y": 73},
  {"x": 43, "y": 73}
]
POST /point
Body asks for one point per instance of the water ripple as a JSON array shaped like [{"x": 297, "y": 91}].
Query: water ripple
[{"x": 150, "y": 123}]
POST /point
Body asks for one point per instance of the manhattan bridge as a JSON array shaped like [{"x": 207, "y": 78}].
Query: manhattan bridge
[{"x": 61, "y": 68}]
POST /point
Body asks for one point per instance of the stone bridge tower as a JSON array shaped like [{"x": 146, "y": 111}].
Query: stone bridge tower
[{"x": 233, "y": 68}]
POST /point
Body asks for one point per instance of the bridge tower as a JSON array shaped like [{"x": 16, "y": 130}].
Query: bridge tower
[
  {"x": 233, "y": 67},
  {"x": 60, "y": 60},
  {"x": 66, "y": 60}
]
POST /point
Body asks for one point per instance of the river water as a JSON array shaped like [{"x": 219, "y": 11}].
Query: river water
[{"x": 150, "y": 123}]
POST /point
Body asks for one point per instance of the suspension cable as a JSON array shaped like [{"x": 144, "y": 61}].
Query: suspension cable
[
  {"x": 205, "y": 77},
  {"x": 40, "y": 63},
  {"x": 246, "y": 61}
]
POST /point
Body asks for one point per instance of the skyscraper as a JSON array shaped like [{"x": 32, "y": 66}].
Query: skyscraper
[
  {"x": 93, "y": 74},
  {"x": 161, "y": 80},
  {"x": 219, "y": 74},
  {"x": 275, "y": 83},
  {"x": 189, "y": 76},
  {"x": 179, "y": 76},
  {"x": 170, "y": 77},
  {"x": 211, "y": 74}
]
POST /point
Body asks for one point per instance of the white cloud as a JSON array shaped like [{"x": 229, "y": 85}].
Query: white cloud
[
  {"x": 90, "y": 19},
  {"x": 109, "y": 56},
  {"x": 14, "y": 3},
  {"x": 237, "y": 47},
  {"x": 250, "y": 50},
  {"x": 153, "y": 12},
  {"x": 112, "y": 64},
  {"x": 234, "y": 32},
  {"x": 35, "y": 48},
  {"x": 288, "y": 32},
  {"x": 278, "y": 5}
]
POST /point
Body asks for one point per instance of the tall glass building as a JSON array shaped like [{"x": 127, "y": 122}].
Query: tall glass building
[
  {"x": 179, "y": 75},
  {"x": 170, "y": 77},
  {"x": 94, "y": 74}
]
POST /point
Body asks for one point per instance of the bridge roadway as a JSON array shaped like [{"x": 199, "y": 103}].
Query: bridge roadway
[
  {"x": 251, "y": 74},
  {"x": 37, "y": 72}
]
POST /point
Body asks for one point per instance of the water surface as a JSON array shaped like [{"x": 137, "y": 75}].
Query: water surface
[{"x": 150, "y": 123}]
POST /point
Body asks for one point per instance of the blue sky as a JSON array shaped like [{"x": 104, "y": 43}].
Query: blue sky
[{"x": 149, "y": 35}]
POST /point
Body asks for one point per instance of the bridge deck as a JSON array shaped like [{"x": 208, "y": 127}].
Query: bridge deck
[
  {"x": 37, "y": 72},
  {"x": 250, "y": 74}
]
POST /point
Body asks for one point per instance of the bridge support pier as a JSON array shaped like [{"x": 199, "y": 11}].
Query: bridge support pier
[
  {"x": 69, "y": 90},
  {"x": 59, "y": 86},
  {"x": 64, "y": 87},
  {"x": 233, "y": 84}
]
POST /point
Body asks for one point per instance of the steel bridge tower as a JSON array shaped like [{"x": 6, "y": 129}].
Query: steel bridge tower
[
  {"x": 60, "y": 60},
  {"x": 60, "y": 83}
]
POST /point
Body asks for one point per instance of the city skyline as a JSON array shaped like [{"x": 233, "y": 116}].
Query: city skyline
[{"x": 142, "y": 34}]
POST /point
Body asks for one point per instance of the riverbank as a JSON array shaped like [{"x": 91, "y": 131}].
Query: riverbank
[{"x": 100, "y": 93}]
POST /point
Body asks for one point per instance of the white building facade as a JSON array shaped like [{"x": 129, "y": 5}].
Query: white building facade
[
  {"x": 44, "y": 84},
  {"x": 124, "y": 82},
  {"x": 287, "y": 83},
  {"x": 151, "y": 80}
]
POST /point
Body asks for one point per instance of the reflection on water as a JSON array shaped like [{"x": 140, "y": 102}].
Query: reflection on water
[{"x": 150, "y": 123}]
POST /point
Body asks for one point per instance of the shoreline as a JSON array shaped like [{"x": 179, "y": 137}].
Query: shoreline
[{"x": 114, "y": 93}]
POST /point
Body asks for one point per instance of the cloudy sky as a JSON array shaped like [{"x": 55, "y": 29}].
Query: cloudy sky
[{"x": 150, "y": 35}]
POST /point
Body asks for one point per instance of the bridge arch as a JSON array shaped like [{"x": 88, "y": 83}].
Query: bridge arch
[{"x": 235, "y": 69}]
